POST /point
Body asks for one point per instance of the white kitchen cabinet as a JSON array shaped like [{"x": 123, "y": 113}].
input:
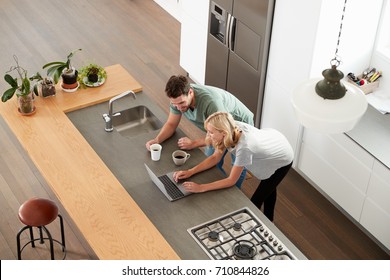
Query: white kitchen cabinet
[
  {"x": 339, "y": 167},
  {"x": 351, "y": 177},
  {"x": 193, "y": 16},
  {"x": 193, "y": 38},
  {"x": 173, "y": 7},
  {"x": 199, "y": 10},
  {"x": 376, "y": 210}
]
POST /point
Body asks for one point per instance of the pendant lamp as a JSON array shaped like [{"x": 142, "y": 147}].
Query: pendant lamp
[{"x": 329, "y": 105}]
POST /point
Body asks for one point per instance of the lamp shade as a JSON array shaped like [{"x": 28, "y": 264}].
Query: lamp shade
[{"x": 328, "y": 115}]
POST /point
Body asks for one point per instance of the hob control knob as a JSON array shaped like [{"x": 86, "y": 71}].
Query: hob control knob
[
  {"x": 266, "y": 233},
  {"x": 280, "y": 247},
  {"x": 261, "y": 228},
  {"x": 270, "y": 238},
  {"x": 275, "y": 243}
]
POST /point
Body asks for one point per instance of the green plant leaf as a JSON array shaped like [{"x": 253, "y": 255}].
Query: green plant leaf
[
  {"x": 59, "y": 63},
  {"x": 11, "y": 81},
  {"x": 68, "y": 61},
  {"x": 25, "y": 86},
  {"x": 8, "y": 94},
  {"x": 36, "y": 76},
  {"x": 72, "y": 53},
  {"x": 55, "y": 70},
  {"x": 56, "y": 77}
]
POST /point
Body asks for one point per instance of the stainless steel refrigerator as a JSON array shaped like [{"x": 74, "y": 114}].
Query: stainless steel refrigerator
[{"x": 237, "y": 49}]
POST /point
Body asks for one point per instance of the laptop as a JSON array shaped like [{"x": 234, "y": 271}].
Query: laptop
[{"x": 172, "y": 190}]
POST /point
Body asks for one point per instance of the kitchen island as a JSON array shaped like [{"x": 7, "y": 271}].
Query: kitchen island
[{"x": 105, "y": 188}]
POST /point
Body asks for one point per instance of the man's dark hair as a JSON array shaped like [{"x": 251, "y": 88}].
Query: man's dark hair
[{"x": 177, "y": 86}]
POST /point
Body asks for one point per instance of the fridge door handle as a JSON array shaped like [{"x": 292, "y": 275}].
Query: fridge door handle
[
  {"x": 232, "y": 32},
  {"x": 227, "y": 31}
]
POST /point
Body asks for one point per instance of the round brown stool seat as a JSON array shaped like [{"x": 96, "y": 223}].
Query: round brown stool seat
[{"x": 39, "y": 212}]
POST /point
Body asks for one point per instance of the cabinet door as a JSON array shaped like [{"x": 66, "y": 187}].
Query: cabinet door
[
  {"x": 376, "y": 211},
  {"x": 198, "y": 10},
  {"x": 193, "y": 38},
  {"x": 339, "y": 167}
]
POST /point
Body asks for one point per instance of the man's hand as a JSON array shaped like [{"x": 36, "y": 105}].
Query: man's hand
[
  {"x": 150, "y": 142},
  {"x": 186, "y": 143}
]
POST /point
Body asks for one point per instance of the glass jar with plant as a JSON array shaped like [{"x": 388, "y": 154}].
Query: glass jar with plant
[
  {"x": 22, "y": 87},
  {"x": 45, "y": 85},
  {"x": 65, "y": 70}
]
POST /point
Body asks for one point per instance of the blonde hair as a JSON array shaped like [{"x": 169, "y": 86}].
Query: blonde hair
[{"x": 223, "y": 122}]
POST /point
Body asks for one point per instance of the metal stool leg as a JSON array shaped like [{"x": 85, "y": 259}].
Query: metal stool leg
[
  {"x": 50, "y": 241},
  {"x": 39, "y": 212},
  {"x": 18, "y": 241},
  {"x": 40, "y": 235},
  {"x": 41, "y": 238},
  {"x": 32, "y": 237},
  {"x": 62, "y": 232}
]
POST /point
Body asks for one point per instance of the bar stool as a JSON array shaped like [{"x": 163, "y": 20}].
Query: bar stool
[{"x": 39, "y": 212}]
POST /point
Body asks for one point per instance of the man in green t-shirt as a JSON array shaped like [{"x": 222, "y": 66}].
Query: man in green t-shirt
[{"x": 196, "y": 103}]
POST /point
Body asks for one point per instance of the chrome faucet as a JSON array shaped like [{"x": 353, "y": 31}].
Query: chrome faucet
[{"x": 108, "y": 117}]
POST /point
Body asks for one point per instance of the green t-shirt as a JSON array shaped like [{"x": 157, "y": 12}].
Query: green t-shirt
[{"x": 209, "y": 100}]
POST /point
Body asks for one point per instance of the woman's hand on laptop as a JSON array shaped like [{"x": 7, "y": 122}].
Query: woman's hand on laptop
[
  {"x": 193, "y": 187},
  {"x": 180, "y": 175}
]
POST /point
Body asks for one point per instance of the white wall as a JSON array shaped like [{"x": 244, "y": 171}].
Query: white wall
[
  {"x": 292, "y": 45},
  {"x": 357, "y": 38},
  {"x": 381, "y": 57},
  {"x": 304, "y": 39}
]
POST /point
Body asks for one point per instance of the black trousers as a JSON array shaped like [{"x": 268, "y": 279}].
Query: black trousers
[{"x": 266, "y": 191}]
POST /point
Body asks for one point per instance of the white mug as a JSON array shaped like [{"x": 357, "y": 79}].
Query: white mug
[
  {"x": 155, "y": 151},
  {"x": 180, "y": 157}
]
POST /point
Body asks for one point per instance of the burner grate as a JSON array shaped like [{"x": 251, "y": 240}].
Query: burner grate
[{"x": 239, "y": 235}]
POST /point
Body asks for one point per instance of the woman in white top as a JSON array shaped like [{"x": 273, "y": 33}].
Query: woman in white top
[{"x": 266, "y": 153}]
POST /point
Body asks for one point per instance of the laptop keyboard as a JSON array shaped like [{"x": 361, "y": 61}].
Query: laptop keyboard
[{"x": 173, "y": 191}]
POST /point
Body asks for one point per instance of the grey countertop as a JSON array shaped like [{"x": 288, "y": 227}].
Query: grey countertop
[
  {"x": 125, "y": 157},
  {"x": 372, "y": 133}
]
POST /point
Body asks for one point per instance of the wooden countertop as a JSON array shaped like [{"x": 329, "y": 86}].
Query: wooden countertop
[{"x": 109, "y": 219}]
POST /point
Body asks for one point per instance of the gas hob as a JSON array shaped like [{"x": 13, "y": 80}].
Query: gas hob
[{"x": 239, "y": 235}]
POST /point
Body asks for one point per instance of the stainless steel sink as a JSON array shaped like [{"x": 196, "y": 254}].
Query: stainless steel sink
[{"x": 135, "y": 121}]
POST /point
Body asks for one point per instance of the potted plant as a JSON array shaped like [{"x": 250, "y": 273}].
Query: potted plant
[
  {"x": 21, "y": 86},
  {"x": 65, "y": 70},
  {"x": 45, "y": 86},
  {"x": 92, "y": 75}
]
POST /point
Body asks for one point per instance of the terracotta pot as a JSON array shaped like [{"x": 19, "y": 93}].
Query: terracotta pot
[{"x": 69, "y": 86}]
